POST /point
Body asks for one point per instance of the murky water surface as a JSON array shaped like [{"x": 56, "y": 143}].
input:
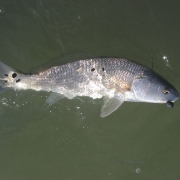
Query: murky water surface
[{"x": 69, "y": 140}]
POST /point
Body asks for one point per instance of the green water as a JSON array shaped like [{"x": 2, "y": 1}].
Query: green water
[{"x": 69, "y": 140}]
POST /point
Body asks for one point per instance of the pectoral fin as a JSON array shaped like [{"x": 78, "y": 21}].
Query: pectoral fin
[
  {"x": 110, "y": 105},
  {"x": 53, "y": 97}
]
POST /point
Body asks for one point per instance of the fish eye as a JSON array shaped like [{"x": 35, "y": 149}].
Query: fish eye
[{"x": 166, "y": 91}]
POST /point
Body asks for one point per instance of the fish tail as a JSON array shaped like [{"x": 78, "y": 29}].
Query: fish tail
[{"x": 5, "y": 72}]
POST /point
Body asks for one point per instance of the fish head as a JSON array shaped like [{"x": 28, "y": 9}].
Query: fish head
[{"x": 155, "y": 89}]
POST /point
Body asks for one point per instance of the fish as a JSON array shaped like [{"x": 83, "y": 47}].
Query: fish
[{"x": 116, "y": 80}]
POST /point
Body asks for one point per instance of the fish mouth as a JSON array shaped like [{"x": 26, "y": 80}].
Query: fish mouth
[
  {"x": 171, "y": 103},
  {"x": 175, "y": 97}
]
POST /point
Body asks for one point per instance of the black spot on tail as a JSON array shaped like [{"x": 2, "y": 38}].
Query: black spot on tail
[
  {"x": 93, "y": 69},
  {"x": 18, "y": 80},
  {"x": 5, "y": 81},
  {"x": 14, "y": 75},
  {"x": 103, "y": 69}
]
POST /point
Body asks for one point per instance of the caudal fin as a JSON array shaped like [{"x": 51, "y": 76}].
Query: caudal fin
[{"x": 5, "y": 71}]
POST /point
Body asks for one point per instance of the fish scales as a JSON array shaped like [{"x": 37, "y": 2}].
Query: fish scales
[
  {"x": 77, "y": 77},
  {"x": 115, "y": 79}
]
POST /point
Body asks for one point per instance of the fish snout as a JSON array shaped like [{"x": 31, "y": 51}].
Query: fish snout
[{"x": 174, "y": 95}]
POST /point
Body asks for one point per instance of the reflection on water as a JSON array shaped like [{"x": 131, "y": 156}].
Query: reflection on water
[{"x": 69, "y": 140}]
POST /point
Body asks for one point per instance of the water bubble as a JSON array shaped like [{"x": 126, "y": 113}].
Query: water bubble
[
  {"x": 138, "y": 170},
  {"x": 164, "y": 57},
  {"x": 1, "y": 10}
]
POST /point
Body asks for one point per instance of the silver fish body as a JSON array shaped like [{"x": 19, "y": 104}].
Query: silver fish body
[{"x": 115, "y": 79}]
